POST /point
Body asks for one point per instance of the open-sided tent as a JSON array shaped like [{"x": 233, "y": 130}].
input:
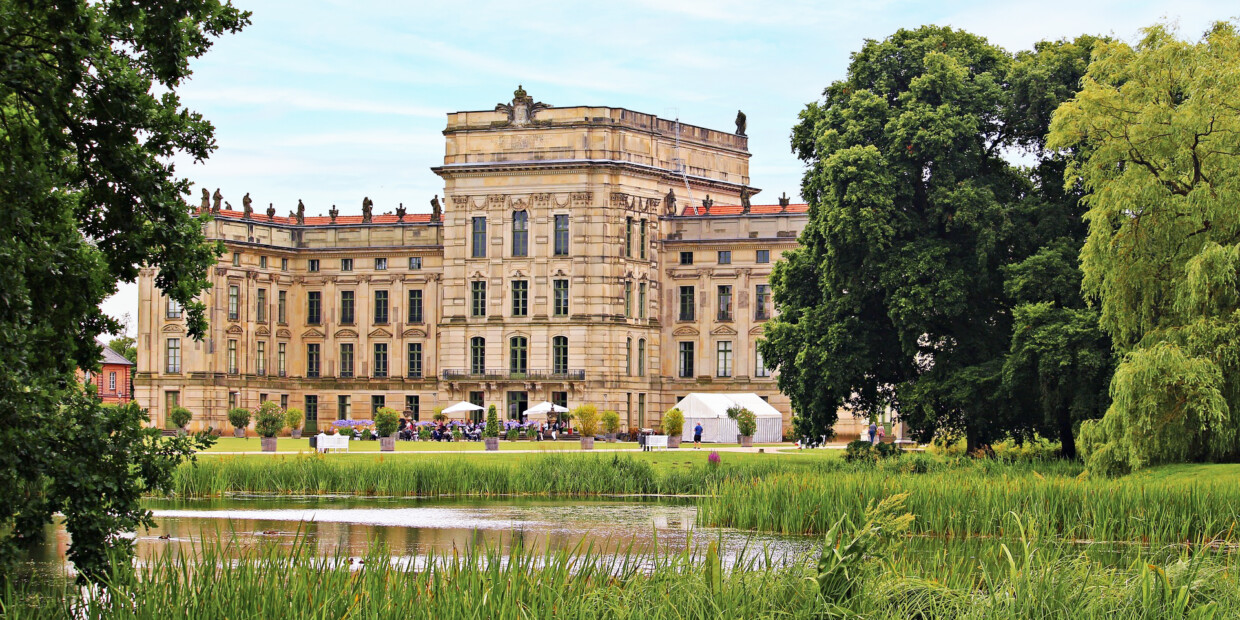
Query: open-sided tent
[{"x": 711, "y": 411}]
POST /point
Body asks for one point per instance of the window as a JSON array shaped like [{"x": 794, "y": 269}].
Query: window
[
  {"x": 478, "y": 298},
  {"x": 171, "y": 400},
  {"x": 415, "y": 262},
  {"x": 518, "y": 355},
  {"x": 725, "y": 257},
  {"x": 518, "y": 401},
  {"x": 232, "y": 400},
  {"x": 112, "y": 382},
  {"x": 312, "y": 412},
  {"x": 415, "y": 360},
  {"x": 723, "y": 359},
  {"x": 346, "y": 360},
  {"x": 559, "y": 355},
  {"x": 520, "y": 233},
  {"x": 686, "y": 303},
  {"x": 381, "y": 264},
  {"x": 561, "y": 235},
  {"x": 377, "y": 402},
  {"x": 236, "y": 259},
  {"x": 641, "y": 248},
  {"x": 759, "y": 368},
  {"x": 477, "y": 355},
  {"x": 312, "y": 360},
  {"x": 381, "y": 360},
  {"x": 725, "y": 303},
  {"x": 381, "y": 307},
  {"x": 312, "y": 265},
  {"x": 346, "y": 307},
  {"x": 284, "y": 401},
  {"x": 283, "y": 264},
  {"x": 686, "y": 258},
  {"x": 628, "y": 356},
  {"x": 520, "y": 297},
  {"x": 346, "y": 264},
  {"x": 261, "y": 302},
  {"x": 763, "y": 256},
  {"x": 628, "y": 237},
  {"x": 232, "y": 357},
  {"x": 262, "y": 262},
  {"x": 342, "y": 407},
  {"x": 172, "y": 355},
  {"x": 260, "y": 360},
  {"x": 282, "y": 307},
  {"x": 413, "y": 406},
  {"x": 280, "y": 357},
  {"x": 641, "y": 410},
  {"x": 761, "y": 299},
  {"x": 685, "y": 364},
  {"x": 560, "y": 399},
  {"x": 173, "y": 309},
  {"x": 314, "y": 307},
  {"x": 479, "y": 237},
  {"x": 641, "y": 357},
  {"x": 628, "y": 298},
  {"x": 234, "y": 302},
  {"x": 559, "y": 303},
  {"x": 415, "y": 305},
  {"x": 262, "y": 398},
  {"x": 641, "y": 300}
]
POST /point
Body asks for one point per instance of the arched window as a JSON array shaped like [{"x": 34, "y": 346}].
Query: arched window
[
  {"x": 628, "y": 357},
  {"x": 518, "y": 355},
  {"x": 477, "y": 355},
  {"x": 641, "y": 357},
  {"x": 559, "y": 355}
]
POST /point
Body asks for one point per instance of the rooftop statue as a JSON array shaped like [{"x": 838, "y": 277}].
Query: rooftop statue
[
  {"x": 271, "y": 211},
  {"x": 301, "y": 212},
  {"x": 333, "y": 212},
  {"x": 367, "y": 209},
  {"x": 206, "y": 200},
  {"x": 670, "y": 201},
  {"x": 745, "y": 200},
  {"x": 521, "y": 111},
  {"x": 400, "y": 212},
  {"x": 783, "y": 201},
  {"x": 218, "y": 197},
  {"x": 247, "y": 210},
  {"x": 436, "y": 209},
  {"x": 740, "y": 123}
]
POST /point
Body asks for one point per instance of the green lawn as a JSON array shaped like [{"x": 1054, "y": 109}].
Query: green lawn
[{"x": 286, "y": 444}]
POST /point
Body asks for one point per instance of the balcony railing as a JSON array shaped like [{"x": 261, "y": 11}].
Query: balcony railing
[{"x": 506, "y": 375}]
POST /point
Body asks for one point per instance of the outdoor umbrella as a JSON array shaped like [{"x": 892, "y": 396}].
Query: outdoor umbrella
[
  {"x": 462, "y": 407},
  {"x": 538, "y": 413}
]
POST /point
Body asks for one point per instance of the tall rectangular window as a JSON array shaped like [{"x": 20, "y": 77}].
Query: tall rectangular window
[
  {"x": 234, "y": 302},
  {"x": 687, "y": 307},
  {"x": 381, "y": 263},
  {"x": 684, "y": 365},
  {"x": 559, "y": 299},
  {"x": 520, "y": 233},
  {"x": 346, "y": 264},
  {"x": 641, "y": 300},
  {"x": 413, "y": 406},
  {"x": 725, "y": 302},
  {"x": 172, "y": 355},
  {"x": 312, "y": 412},
  {"x": 112, "y": 382},
  {"x": 377, "y": 402},
  {"x": 561, "y": 235},
  {"x": 342, "y": 407},
  {"x": 284, "y": 401},
  {"x": 313, "y": 360},
  {"x": 415, "y": 305},
  {"x": 346, "y": 360},
  {"x": 762, "y": 256},
  {"x": 628, "y": 237},
  {"x": 641, "y": 240},
  {"x": 236, "y": 259},
  {"x": 478, "y": 298},
  {"x": 347, "y": 307},
  {"x": 759, "y": 365},
  {"x": 262, "y": 262},
  {"x": 381, "y": 307},
  {"x": 415, "y": 360},
  {"x": 281, "y": 356},
  {"x": 518, "y": 355},
  {"x": 283, "y": 264},
  {"x": 314, "y": 307},
  {"x": 282, "y": 307},
  {"x": 261, "y": 300},
  {"x": 559, "y": 355},
  {"x": 686, "y": 258},
  {"x": 479, "y": 234},
  {"x": 477, "y": 355},
  {"x": 381, "y": 359},
  {"x": 520, "y": 298},
  {"x": 725, "y": 257},
  {"x": 260, "y": 359},
  {"x": 232, "y": 356},
  {"x": 312, "y": 265},
  {"x": 641, "y": 357},
  {"x": 173, "y": 309},
  {"x": 761, "y": 302},
  {"x": 628, "y": 299},
  {"x": 723, "y": 359},
  {"x": 641, "y": 410}
]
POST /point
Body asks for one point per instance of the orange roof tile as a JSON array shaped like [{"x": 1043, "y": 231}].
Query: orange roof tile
[{"x": 732, "y": 210}]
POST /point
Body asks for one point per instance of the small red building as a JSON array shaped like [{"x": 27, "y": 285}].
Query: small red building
[{"x": 112, "y": 382}]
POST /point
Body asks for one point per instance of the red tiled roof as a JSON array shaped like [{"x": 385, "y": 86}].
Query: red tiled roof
[
  {"x": 322, "y": 220},
  {"x": 724, "y": 210}
]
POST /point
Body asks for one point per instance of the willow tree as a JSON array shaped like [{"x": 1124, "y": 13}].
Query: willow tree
[{"x": 1160, "y": 123}]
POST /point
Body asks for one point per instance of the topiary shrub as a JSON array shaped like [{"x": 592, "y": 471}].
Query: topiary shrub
[
  {"x": 611, "y": 422},
  {"x": 492, "y": 428},
  {"x": 386, "y": 421},
  {"x": 674, "y": 422},
  {"x": 269, "y": 419},
  {"x": 180, "y": 416},
  {"x": 239, "y": 417},
  {"x": 587, "y": 419}
]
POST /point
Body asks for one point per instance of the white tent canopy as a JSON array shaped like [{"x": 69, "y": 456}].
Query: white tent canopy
[
  {"x": 538, "y": 413},
  {"x": 462, "y": 407},
  {"x": 711, "y": 411}
]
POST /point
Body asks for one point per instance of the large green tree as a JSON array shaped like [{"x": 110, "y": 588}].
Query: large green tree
[
  {"x": 89, "y": 122},
  {"x": 1160, "y": 123}
]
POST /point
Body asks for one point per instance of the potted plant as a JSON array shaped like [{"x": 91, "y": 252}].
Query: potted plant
[
  {"x": 180, "y": 416},
  {"x": 440, "y": 417},
  {"x": 491, "y": 432},
  {"x": 269, "y": 421},
  {"x": 587, "y": 422},
  {"x": 239, "y": 417},
  {"x": 611, "y": 425},
  {"x": 386, "y": 421},
  {"x": 293, "y": 418},
  {"x": 424, "y": 433},
  {"x": 674, "y": 426},
  {"x": 746, "y": 424}
]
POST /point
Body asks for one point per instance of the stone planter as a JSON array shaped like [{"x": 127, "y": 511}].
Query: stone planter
[
  {"x": 746, "y": 441},
  {"x": 492, "y": 443},
  {"x": 611, "y": 438},
  {"x": 587, "y": 443},
  {"x": 295, "y": 433},
  {"x": 239, "y": 433},
  {"x": 673, "y": 441},
  {"x": 387, "y": 444},
  {"x": 269, "y": 444}
]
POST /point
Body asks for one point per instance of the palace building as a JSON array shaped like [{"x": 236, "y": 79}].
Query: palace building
[{"x": 578, "y": 255}]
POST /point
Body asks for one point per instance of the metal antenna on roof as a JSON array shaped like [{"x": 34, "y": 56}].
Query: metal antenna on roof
[{"x": 679, "y": 163}]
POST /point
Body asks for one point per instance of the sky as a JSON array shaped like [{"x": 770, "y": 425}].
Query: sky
[{"x": 331, "y": 102}]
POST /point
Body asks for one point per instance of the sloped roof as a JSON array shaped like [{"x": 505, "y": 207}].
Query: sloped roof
[
  {"x": 734, "y": 210},
  {"x": 716, "y": 404},
  {"x": 112, "y": 357}
]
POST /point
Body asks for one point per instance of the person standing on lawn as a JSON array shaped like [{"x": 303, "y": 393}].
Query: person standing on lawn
[{"x": 697, "y": 436}]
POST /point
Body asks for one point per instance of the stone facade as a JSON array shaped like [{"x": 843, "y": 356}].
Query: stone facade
[{"x": 555, "y": 267}]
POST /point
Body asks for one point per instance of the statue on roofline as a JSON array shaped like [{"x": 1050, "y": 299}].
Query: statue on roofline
[
  {"x": 367, "y": 209},
  {"x": 206, "y": 200},
  {"x": 740, "y": 123},
  {"x": 215, "y": 207}
]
